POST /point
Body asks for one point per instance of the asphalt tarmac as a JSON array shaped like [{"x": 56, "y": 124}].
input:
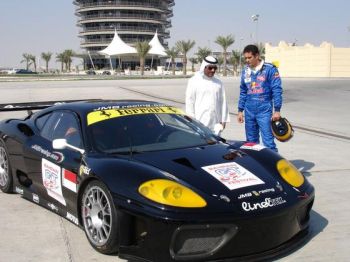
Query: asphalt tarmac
[{"x": 317, "y": 108}]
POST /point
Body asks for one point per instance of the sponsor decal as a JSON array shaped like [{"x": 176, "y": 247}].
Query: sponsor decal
[
  {"x": 59, "y": 156},
  {"x": 19, "y": 190},
  {"x": 51, "y": 174},
  {"x": 56, "y": 156},
  {"x": 267, "y": 203},
  {"x": 256, "y": 193},
  {"x": 252, "y": 146},
  {"x": 255, "y": 88},
  {"x": 279, "y": 186},
  {"x": 225, "y": 198},
  {"x": 276, "y": 75},
  {"x": 36, "y": 198},
  {"x": 69, "y": 180},
  {"x": 84, "y": 170},
  {"x": 97, "y": 116},
  {"x": 261, "y": 78},
  {"x": 52, "y": 207},
  {"x": 248, "y": 194},
  {"x": 247, "y": 80},
  {"x": 232, "y": 175},
  {"x": 72, "y": 218}
]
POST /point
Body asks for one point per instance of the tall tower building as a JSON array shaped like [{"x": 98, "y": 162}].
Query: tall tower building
[{"x": 134, "y": 20}]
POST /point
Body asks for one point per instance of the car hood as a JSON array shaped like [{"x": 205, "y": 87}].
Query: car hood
[{"x": 214, "y": 170}]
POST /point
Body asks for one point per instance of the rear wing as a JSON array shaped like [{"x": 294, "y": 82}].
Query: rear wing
[{"x": 37, "y": 105}]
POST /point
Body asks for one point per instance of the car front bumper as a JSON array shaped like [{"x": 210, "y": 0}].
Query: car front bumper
[{"x": 151, "y": 239}]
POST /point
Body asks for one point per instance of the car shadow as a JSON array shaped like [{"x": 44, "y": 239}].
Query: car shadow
[{"x": 303, "y": 166}]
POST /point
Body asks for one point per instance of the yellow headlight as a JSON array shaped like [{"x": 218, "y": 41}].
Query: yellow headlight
[
  {"x": 170, "y": 193},
  {"x": 290, "y": 173}
]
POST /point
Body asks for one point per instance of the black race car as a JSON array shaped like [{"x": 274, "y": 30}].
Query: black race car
[{"x": 148, "y": 182}]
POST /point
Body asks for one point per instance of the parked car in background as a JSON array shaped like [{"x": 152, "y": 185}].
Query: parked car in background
[
  {"x": 90, "y": 72},
  {"x": 106, "y": 72},
  {"x": 25, "y": 71}
]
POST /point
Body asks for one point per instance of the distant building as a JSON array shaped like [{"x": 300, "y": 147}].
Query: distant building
[
  {"x": 309, "y": 60},
  {"x": 134, "y": 20}
]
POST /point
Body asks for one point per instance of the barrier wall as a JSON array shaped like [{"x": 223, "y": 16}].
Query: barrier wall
[{"x": 309, "y": 61}]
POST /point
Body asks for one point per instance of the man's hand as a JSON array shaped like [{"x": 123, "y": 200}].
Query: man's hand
[
  {"x": 276, "y": 116},
  {"x": 223, "y": 124},
  {"x": 240, "y": 117}
]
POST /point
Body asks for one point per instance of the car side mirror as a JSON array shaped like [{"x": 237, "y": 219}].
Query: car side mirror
[{"x": 61, "y": 143}]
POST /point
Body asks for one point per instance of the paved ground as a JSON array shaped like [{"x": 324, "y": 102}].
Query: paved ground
[{"x": 320, "y": 148}]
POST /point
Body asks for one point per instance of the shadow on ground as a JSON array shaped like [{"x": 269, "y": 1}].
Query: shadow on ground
[{"x": 303, "y": 166}]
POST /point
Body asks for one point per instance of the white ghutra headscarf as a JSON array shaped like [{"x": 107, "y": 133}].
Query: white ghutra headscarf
[{"x": 209, "y": 60}]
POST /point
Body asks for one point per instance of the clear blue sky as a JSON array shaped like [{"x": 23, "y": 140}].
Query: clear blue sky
[{"x": 35, "y": 26}]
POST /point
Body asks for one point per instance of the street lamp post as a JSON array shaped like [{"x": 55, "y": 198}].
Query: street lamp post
[
  {"x": 255, "y": 19},
  {"x": 240, "y": 54}
]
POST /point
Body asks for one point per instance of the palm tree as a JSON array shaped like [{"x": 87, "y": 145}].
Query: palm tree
[
  {"x": 193, "y": 61},
  {"x": 60, "y": 58},
  {"x": 220, "y": 62},
  {"x": 225, "y": 42},
  {"x": 68, "y": 54},
  {"x": 183, "y": 47},
  {"x": 33, "y": 59},
  {"x": 47, "y": 58},
  {"x": 172, "y": 54},
  {"x": 27, "y": 60},
  {"x": 202, "y": 53},
  {"x": 142, "y": 49},
  {"x": 236, "y": 60}
]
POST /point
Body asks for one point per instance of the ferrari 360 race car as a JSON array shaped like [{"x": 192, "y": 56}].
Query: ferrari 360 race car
[{"x": 147, "y": 182}]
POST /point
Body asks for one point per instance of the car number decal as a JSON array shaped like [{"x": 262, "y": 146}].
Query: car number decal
[
  {"x": 233, "y": 175},
  {"x": 97, "y": 116}
]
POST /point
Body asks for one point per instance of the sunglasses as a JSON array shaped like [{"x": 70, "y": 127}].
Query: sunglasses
[{"x": 211, "y": 68}]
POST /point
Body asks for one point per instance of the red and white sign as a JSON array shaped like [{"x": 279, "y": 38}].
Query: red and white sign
[
  {"x": 252, "y": 146},
  {"x": 232, "y": 175},
  {"x": 69, "y": 180}
]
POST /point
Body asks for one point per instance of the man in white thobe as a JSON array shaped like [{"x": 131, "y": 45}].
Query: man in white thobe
[{"x": 205, "y": 97}]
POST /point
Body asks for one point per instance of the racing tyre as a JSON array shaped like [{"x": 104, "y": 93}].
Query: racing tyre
[
  {"x": 99, "y": 218},
  {"x": 6, "y": 179}
]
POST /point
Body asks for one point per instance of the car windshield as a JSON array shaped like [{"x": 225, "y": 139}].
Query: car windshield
[{"x": 147, "y": 132}]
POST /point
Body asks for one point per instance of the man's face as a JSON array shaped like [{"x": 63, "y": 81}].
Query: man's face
[
  {"x": 251, "y": 60},
  {"x": 209, "y": 70}
]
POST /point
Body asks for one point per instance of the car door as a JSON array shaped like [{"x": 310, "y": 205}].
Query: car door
[{"x": 54, "y": 172}]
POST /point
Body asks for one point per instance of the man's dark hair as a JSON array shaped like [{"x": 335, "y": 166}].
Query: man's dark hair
[{"x": 251, "y": 49}]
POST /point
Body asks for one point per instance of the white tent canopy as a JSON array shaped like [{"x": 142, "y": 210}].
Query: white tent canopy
[
  {"x": 156, "y": 47},
  {"x": 118, "y": 47}
]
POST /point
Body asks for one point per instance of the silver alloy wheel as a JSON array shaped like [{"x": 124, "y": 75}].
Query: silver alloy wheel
[
  {"x": 96, "y": 210},
  {"x": 4, "y": 167}
]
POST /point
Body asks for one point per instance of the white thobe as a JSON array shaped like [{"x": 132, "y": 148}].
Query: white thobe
[{"x": 206, "y": 100}]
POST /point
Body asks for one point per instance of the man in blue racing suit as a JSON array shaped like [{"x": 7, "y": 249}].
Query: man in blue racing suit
[{"x": 260, "y": 97}]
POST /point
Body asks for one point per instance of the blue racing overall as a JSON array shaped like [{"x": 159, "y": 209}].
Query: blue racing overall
[{"x": 260, "y": 93}]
